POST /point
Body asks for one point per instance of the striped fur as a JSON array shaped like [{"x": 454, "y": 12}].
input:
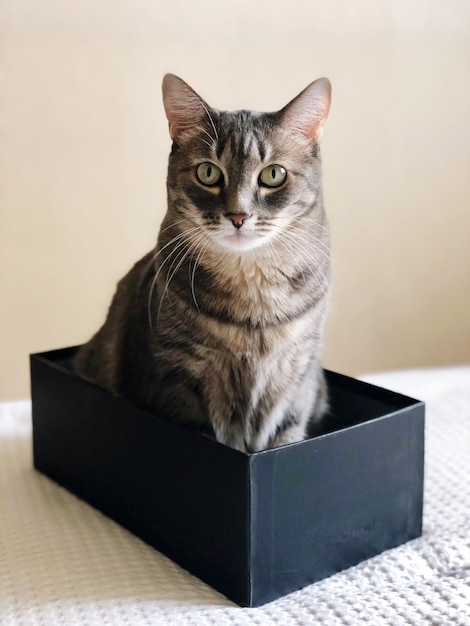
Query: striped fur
[{"x": 220, "y": 327}]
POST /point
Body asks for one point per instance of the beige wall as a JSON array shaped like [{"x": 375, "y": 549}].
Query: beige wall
[{"x": 84, "y": 146}]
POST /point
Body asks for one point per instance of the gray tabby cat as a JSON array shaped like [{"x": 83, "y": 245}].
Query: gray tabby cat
[{"x": 220, "y": 327}]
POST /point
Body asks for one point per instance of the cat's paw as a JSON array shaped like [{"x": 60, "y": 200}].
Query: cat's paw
[{"x": 290, "y": 435}]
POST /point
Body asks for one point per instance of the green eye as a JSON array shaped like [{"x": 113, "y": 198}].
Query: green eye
[
  {"x": 208, "y": 174},
  {"x": 273, "y": 176}
]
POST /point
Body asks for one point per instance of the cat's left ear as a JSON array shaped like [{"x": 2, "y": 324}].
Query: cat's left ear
[
  {"x": 184, "y": 108},
  {"x": 307, "y": 113}
]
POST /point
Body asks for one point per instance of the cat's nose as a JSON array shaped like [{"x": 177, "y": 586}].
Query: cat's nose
[{"x": 237, "y": 219}]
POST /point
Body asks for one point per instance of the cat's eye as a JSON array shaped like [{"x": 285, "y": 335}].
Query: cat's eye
[
  {"x": 273, "y": 176},
  {"x": 209, "y": 174}
]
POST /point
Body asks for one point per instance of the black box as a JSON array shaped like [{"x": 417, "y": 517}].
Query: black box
[{"x": 254, "y": 526}]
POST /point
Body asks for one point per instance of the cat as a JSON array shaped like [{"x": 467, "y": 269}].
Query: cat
[{"x": 220, "y": 327}]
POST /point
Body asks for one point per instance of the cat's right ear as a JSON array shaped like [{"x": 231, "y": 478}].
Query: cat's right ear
[
  {"x": 183, "y": 107},
  {"x": 307, "y": 113}
]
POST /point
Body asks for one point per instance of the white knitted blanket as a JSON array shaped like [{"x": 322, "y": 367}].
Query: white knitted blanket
[{"x": 63, "y": 563}]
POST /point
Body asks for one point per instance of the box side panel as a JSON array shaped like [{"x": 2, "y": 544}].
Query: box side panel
[
  {"x": 329, "y": 503},
  {"x": 179, "y": 491}
]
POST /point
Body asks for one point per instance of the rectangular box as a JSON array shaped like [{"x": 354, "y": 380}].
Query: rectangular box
[{"x": 254, "y": 526}]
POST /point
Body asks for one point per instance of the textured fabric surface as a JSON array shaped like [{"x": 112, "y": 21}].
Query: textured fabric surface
[{"x": 62, "y": 562}]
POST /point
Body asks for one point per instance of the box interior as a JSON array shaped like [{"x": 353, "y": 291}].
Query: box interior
[{"x": 351, "y": 401}]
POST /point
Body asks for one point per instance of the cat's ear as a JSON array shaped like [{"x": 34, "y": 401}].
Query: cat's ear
[
  {"x": 307, "y": 113},
  {"x": 183, "y": 107}
]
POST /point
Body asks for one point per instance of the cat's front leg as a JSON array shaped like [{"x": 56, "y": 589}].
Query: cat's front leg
[
  {"x": 230, "y": 435},
  {"x": 307, "y": 409},
  {"x": 291, "y": 434}
]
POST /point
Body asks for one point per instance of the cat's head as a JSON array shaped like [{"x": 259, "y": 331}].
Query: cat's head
[{"x": 242, "y": 177}]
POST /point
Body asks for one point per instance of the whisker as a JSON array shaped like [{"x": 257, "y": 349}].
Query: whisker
[
  {"x": 307, "y": 257},
  {"x": 186, "y": 219},
  {"x": 305, "y": 238},
  {"x": 179, "y": 237},
  {"x": 288, "y": 248},
  {"x": 306, "y": 250},
  {"x": 149, "y": 303},
  {"x": 180, "y": 240},
  {"x": 301, "y": 218},
  {"x": 175, "y": 265},
  {"x": 311, "y": 237},
  {"x": 183, "y": 254},
  {"x": 189, "y": 246},
  {"x": 195, "y": 265}
]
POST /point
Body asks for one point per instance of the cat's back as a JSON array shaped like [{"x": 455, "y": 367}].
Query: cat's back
[{"x": 103, "y": 358}]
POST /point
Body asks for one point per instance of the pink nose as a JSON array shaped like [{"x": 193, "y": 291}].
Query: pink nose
[{"x": 237, "y": 219}]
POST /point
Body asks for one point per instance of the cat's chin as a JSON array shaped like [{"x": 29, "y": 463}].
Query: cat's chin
[{"x": 240, "y": 243}]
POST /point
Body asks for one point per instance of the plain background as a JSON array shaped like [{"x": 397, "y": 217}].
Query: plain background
[{"x": 84, "y": 145}]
